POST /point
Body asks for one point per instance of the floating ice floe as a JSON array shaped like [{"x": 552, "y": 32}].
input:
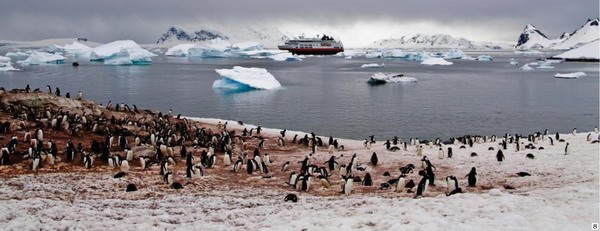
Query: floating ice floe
[
  {"x": 5, "y": 64},
  {"x": 372, "y": 65},
  {"x": 436, "y": 61},
  {"x": 285, "y": 57},
  {"x": 123, "y": 52},
  {"x": 545, "y": 66},
  {"x": 38, "y": 57},
  {"x": 242, "y": 78},
  {"x": 381, "y": 78},
  {"x": 348, "y": 57},
  {"x": 526, "y": 67},
  {"x": 484, "y": 58},
  {"x": 573, "y": 75},
  {"x": 514, "y": 62},
  {"x": 17, "y": 54}
]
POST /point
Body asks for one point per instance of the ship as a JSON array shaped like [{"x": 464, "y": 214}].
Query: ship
[{"x": 324, "y": 45}]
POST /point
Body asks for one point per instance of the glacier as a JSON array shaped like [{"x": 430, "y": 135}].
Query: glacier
[
  {"x": 121, "y": 52},
  {"x": 243, "y": 78},
  {"x": 5, "y": 64},
  {"x": 38, "y": 57}
]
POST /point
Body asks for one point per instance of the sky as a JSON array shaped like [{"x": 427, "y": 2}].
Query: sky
[{"x": 355, "y": 22}]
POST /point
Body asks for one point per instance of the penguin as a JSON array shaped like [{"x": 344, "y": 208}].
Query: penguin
[
  {"x": 131, "y": 188},
  {"x": 367, "y": 181},
  {"x": 342, "y": 170},
  {"x": 189, "y": 171},
  {"x": 111, "y": 162},
  {"x": 88, "y": 161},
  {"x": 441, "y": 153},
  {"x": 567, "y": 149},
  {"x": 168, "y": 177},
  {"x": 125, "y": 166},
  {"x": 285, "y": 166},
  {"x": 291, "y": 197},
  {"x": 374, "y": 159},
  {"x": 523, "y": 174},
  {"x": 164, "y": 167},
  {"x": 500, "y": 156},
  {"x": 472, "y": 177},
  {"x": 292, "y": 178},
  {"x": 557, "y": 136},
  {"x": 250, "y": 167},
  {"x": 324, "y": 181},
  {"x": 449, "y": 152},
  {"x": 574, "y": 132},
  {"x": 176, "y": 185},
  {"x": 596, "y": 129},
  {"x": 306, "y": 183},
  {"x": 589, "y": 137},
  {"x": 143, "y": 162},
  {"x": 129, "y": 154},
  {"x": 551, "y": 141},
  {"x": 348, "y": 181},
  {"x": 331, "y": 163},
  {"x": 456, "y": 188},
  {"x": 227, "y": 158},
  {"x": 238, "y": 164},
  {"x": 401, "y": 183},
  {"x": 530, "y": 156},
  {"x": 409, "y": 186},
  {"x": 36, "y": 162},
  {"x": 298, "y": 183},
  {"x": 119, "y": 175},
  {"x": 323, "y": 172},
  {"x": 197, "y": 170},
  {"x": 264, "y": 168},
  {"x": 451, "y": 184},
  {"x": 354, "y": 160},
  {"x": 212, "y": 160},
  {"x": 422, "y": 186}
]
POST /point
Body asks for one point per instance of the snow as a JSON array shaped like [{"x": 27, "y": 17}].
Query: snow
[
  {"x": 38, "y": 57},
  {"x": 75, "y": 49},
  {"x": 514, "y": 62},
  {"x": 586, "y": 34},
  {"x": 124, "y": 52},
  {"x": 484, "y": 58},
  {"x": 428, "y": 41},
  {"x": 562, "y": 193},
  {"x": 17, "y": 54},
  {"x": 261, "y": 53},
  {"x": 285, "y": 57},
  {"x": 587, "y": 51},
  {"x": 390, "y": 78},
  {"x": 247, "y": 46},
  {"x": 526, "y": 67},
  {"x": 546, "y": 66},
  {"x": 394, "y": 53},
  {"x": 180, "y": 50},
  {"x": 5, "y": 64},
  {"x": 242, "y": 78},
  {"x": 372, "y": 65},
  {"x": 573, "y": 75},
  {"x": 532, "y": 38},
  {"x": 436, "y": 61}
]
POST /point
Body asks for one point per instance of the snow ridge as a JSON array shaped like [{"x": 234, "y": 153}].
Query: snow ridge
[{"x": 178, "y": 34}]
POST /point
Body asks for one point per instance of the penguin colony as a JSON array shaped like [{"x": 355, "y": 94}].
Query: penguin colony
[{"x": 128, "y": 140}]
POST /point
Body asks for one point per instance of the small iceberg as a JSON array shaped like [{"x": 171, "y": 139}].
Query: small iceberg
[
  {"x": 242, "y": 78},
  {"x": 285, "y": 57},
  {"x": 382, "y": 78},
  {"x": 526, "y": 67},
  {"x": 123, "y": 52},
  {"x": 37, "y": 58},
  {"x": 5, "y": 64},
  {"x": 484, "y": 58},
  {"x": 514, "y": 62},
  {"x": 545, "y": 66},
  {"x": 436, "y": 61},
  {"x": 74, "y": 49},
  {"x": 372, "y": 65},
  {"x": 17, "y": 54},
  {"x": 374, "y": 55},
  {"x": 181, "y": 50},
  {"x": 573, "y": 75}
]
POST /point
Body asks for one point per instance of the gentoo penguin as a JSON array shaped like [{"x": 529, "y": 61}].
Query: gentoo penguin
[
  {"x": 250, "y": 166},
  {"x": 348, "y": 181},
  {"x": 292, "y": 178},
  {"x": 285, "y": 166},
  {"x": 449, "y": 152},
  {"x": 500, "y": 156},
  {"x": 291, "y": 197},
  {"x": 441, "y": 153},
  {"x": 164, "y": 167},
  {"x": 238, "y": 164},
  {"x": 331, "y": 163},
  {"x": 88, "y": 160},
  {"x": 306, "y": 183},
  {"x": 400, "y": 183},
  {"x": 125, "y": 166},
  {"x": 574, "y": 132},
  {"x": 197, "y": 170},
  {"x": 567, "y": 149},
  {"x": 129, "y": 154},
  {"x": 168, "y": 177},
  {"x": 36, "y": 162},
  {"x": 374, "y": 159},
  {"x": 472, "y": 177},
  {"x": 422, "y": 186},
  {"x": 367, "y": 181},
  {"x": 451, "y": 184},
  {"x": 342, "y": 171}
]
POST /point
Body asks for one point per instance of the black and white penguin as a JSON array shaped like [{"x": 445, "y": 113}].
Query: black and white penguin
[
  {"x": 348, "y": 185},
  {"x": 36, "y": 162},
  {"x": 292, "y": 178},
  {"x": 306, "y": 181},
  {"x": 500, "y": 156},
  {"x": 441, "y": 153},
  {"x": 125, "y": 166},
  {"x": 189, "y": 170},
  {"x": 342, "y": 170},
  {"x": 164, "y": 167},
  {"x": 285, "y": 166},
  {"x": 291, "y": 197},
  {"x": 589, "y": 137},
  {"x": 530, "y": 156},
  {"x": 331, "y": 163},
  {"x": 367, "y": 181},
  {"x": 574, "y": 132},
  {"x": 374, "y": 159},
  {"x": 449, "y": 152},
  {"x": 119, "y": 175},
  {"x": 567, "y": 149},
  {"x": 168, "y": 177},
  {"x": 250, "y": 166},
  {"x": 557, "y": 136},
  {"x": 400, "y": 183},
  {"x": 176, "y": 185},
  {"x": 551, "y": 141},
  {"x": 264, "y": 168},
  {"x": 472, "y": 177},
  {"x": 422, "y": 186},
  {"x": 456, "y": 189},
  {"x": 197, "y": 170},
  {"x": 88, "y": 161},
  {"x": 523, "y": 174},
  {"x": 451, "y": 184},
  {"x": 238, "y": 164}
]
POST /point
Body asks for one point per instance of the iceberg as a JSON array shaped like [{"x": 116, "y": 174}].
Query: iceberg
[
  {"x": 382, "y": 78},
  {"x": 181, "y": 50},
  {"x": 5, "y": 64},
  {"x": 419, "y": 56},
  {"x": 261, "y": 53},
  {"x": 573, "y": 75},
  {"x": 436, "y": 61},
  {"x": 121, "y": 50},
  {"x": 484, "y": 58},
  {"x": 285, "y": 57},
  {"x": 242, "y": 78},
  {"x": 526, "y": 67},
  {"x": 374, "y": 55},
  {"x": 74, "y": 49},
  {"x": 17, "y": 54},
  {"x": 246, "y": 46},
  {"x": 394, "y": 53},
  {"x": 545, "y": 66},
  {"x": 372, "y": 65},
  {"x": 514, "y": 62},
  {"x": 38, "y": 57}
]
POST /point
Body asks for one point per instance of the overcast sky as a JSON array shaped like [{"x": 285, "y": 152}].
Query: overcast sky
[{"x": 355, "y": 21}]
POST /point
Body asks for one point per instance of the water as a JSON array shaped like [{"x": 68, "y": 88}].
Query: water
[{"x": 330, "y": 96}]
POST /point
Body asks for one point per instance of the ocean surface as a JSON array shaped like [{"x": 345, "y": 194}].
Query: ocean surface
[{"x": 330, "y": 96}]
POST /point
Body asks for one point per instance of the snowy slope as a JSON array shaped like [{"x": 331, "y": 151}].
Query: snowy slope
[
  {"x": 587, "y": 33},
  {"x": 269, "y": 37},
  {"x": 590, "y": 51},
  {"x": 421, "y": 41}
]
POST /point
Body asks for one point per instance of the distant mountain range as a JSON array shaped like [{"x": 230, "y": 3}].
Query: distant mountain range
[
  {"x": 424, "y": 41},
  {"x": 532, "y": 38},
  {"x": 268, "y": 37},
  {"x": 178, "y": 34}
]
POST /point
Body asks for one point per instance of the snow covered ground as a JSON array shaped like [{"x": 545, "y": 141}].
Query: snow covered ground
[{"x": 562, "y": 193}]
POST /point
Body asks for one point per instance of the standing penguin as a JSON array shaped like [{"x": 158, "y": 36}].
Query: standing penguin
[
  {"x": 500, "y": 156},
  {"x": 401, "y": 183},
  {"x": 238, "y": 164},
  {"x": 422, "y": 186},
  {"x": 292, "y": 178},
  {"x": 567, "y": 149},
  {"x": 374, "y": 159},
  {"x": 250, "y": 167},
  {"x": 285, "y": 166},
  {"x": 36, "y": 161},
  {"x": 449, "y": 152},
  {"x": 472, "y": 177},
  {"x": 557, "y": 136},
  {"x": 331, "y": 163},
  {"x": 324, "y": 181},
  {"x": 441, "y": 153},
  {"x": 367, "y": 181},
  {"x": 125, "y": 166},
  {"x": 430, "y": 175},
  {"x": 451, "y": 184},
  {"x": 348, "y": 181},
  {"x": 574, "y": 132}
]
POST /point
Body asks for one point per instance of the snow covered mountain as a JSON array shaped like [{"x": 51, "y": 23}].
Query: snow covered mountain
[
  {"x": 178, "y": 34},
  {"x": 420, "y": 41},
  {"x": 586, "y": 34},
  {"x": 532, "y": 38},
  {"x": 268, "y": 37}
]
